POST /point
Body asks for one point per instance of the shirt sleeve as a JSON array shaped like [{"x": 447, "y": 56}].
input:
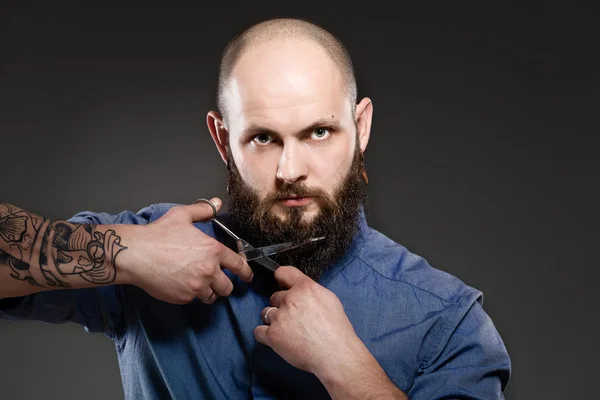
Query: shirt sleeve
[
  {"x": 98, "y": 309},
  {"x": 469, "y": 362}
]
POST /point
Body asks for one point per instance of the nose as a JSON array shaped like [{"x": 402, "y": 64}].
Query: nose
[{"x": 293, "y": 165}]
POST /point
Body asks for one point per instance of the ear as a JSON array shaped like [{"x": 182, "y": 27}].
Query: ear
[
  {"x": 219, "y": 133},
  {"x": 364, "y": 116}
]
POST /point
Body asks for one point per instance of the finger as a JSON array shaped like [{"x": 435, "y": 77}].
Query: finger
[
  {"x": 202, "y": 211},
  {"x": 235, "y": 263},
  {"x": 261, "y": 334},
  {"x": 208, "y": 296},
  {"x": 269, "y": 315},
  {"x": 289, "y": 276},
  {"x": 277, "y": 297},
  {"x": 222, "y": 284}
]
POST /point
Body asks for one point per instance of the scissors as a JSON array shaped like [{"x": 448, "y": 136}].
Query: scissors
[{"x": 258, "y": 254}]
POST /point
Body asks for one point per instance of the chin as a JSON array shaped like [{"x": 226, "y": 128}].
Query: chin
[{"x": 309, "y": 213}]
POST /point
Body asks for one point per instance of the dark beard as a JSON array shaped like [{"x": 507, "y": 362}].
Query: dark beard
[{"x": 337, "y": 219}]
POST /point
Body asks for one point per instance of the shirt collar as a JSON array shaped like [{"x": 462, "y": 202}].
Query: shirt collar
[
  {"x": 351, "y": 252},
  {"x": 264, "y": 282}
]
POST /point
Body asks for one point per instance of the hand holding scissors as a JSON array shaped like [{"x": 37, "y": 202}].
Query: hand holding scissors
[{"x": 174, "y": 261}]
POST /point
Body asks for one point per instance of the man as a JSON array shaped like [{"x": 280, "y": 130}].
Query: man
[{"x": 353, "y": 316}]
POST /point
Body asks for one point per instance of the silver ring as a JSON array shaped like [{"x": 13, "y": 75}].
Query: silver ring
[
  {"x": 266, "y": 317},
  {"x": 210, "y": 204},
  {"x": 211, "y": 295}
]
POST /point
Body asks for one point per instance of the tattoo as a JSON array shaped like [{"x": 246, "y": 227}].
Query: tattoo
[
  {"x": 17, "y": 265},
  {"x": 51, "y": 279},
  {"x": 50, "y": 253}
]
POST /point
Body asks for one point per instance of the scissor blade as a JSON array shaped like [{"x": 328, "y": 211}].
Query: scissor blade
[
  {"x": 243, "y": 247},
  {"x": 253, "y": 254},
  {"x": 267, "y": 263},
  {"x": 226, "y": 229}
]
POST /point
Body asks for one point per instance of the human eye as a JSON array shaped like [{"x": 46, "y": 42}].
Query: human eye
[
  {"x": 320, "y": 134},
  {"x": 262, "y": 139}
]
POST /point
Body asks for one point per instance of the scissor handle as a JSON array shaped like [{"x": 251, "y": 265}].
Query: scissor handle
[
  {"x": 210, "y": 203},
  {"x": 241, "y": 243}
]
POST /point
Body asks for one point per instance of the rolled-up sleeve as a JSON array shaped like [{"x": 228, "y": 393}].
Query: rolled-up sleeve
[
  {"x": 469, "y": 361},
  {"x": 98, "y": 309}
]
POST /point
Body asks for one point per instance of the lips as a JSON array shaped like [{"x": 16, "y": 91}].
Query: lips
[{"x": 295, "y": 201}]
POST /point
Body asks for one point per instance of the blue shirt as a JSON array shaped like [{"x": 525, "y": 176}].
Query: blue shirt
[{"x": 425, "y": 327}]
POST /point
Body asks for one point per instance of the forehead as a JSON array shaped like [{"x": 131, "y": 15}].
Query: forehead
[{"x": 285, "y": 82}]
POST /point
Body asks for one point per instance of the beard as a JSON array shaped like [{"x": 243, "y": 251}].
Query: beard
[{"x": 337, "y": 218}]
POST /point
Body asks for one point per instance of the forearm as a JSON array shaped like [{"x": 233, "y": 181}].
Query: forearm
[
  {"x": 359, "y": 376},
  {"x": 39, "y": 254}
]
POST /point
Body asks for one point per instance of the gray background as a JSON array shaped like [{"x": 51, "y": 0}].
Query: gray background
[{"x": 481, "y": 156}]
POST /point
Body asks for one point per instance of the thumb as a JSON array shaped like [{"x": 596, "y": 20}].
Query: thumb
[
  {"x": 288, "y": 276},
  {"x": 201, "y": 211}
]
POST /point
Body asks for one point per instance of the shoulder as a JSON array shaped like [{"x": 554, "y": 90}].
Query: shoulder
[
  {"x": 453, "y": 309},
  {"x": 400, "y": 266},
  {"x": 144, "y": 215}
]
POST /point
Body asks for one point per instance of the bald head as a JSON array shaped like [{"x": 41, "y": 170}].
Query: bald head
[{"x": 283, "y": 37}]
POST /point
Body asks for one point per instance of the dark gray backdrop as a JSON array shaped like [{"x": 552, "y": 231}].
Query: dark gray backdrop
[{"x": 481, "y": 157}]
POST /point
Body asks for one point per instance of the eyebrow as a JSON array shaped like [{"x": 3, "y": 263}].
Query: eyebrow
[{"x": 254, "y": 129}]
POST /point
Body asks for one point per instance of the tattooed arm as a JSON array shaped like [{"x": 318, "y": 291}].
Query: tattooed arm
[
  {"x": 169, "y": 258},
  {"x": 39, "y": 254}
]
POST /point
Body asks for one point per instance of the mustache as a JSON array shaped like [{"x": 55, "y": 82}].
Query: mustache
[
  {"x": 295, "y": 190},
  {"x": 328, "y": 204}
]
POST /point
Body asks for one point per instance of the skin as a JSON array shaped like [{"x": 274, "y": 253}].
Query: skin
[
  {"x": 169, "y": 258},
  {"x": 285, "y": 88},
  {"x": 277, "y": 92}
]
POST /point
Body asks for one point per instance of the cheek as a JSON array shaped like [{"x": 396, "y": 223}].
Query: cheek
[
  {"x": 331, "y": 166},
  {"x": 257, "y": 170}
]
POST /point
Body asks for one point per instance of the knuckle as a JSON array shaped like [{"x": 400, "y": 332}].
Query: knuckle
[
  {"x": 208, "y": 269},
  {"x": 290, "y": 300},
  {"x": 185, "y": 298},
  {"x": 195, "y": 285},
  {"x": 306, "y": 286},
  {"x": 280, "y": 272},
  {"x": 215, "y": 248},
  {"x": 176, "y": 211},
  {"x": 228, "y": 289},
  {"x": 239, "y": 264}
]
